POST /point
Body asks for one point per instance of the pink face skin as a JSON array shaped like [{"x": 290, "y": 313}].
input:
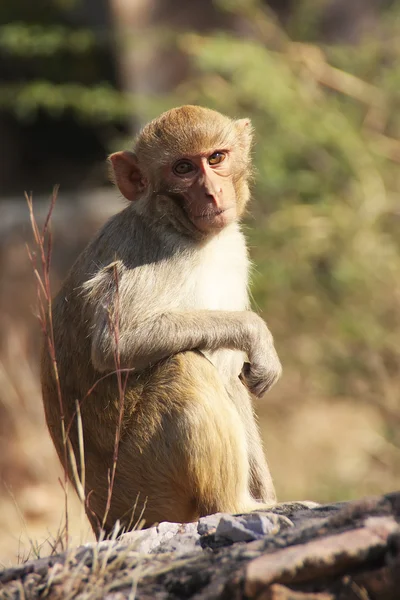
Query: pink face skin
[{"x": 206, "y": 185}]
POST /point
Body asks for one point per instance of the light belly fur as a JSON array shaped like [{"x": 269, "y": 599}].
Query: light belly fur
[{"x": 228, "y": 363}]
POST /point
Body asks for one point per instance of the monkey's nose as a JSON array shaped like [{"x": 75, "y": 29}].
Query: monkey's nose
[{"x": 214, "y": 198}]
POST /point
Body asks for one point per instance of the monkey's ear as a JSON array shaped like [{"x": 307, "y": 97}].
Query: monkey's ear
[
  {"x": 126, "y": 174},
  {"x": 245, "y": 133}
]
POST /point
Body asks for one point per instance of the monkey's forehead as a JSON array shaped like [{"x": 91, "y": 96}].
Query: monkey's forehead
[{"x": 171, "y": 143}]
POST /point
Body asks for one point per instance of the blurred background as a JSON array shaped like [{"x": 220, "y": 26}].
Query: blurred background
[{"x": 320, "y": 80}]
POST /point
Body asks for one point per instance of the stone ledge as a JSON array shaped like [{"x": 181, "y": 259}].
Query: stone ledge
[{"x": 346, "y": 551}]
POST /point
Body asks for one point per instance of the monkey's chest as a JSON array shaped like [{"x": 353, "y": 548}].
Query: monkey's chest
[
  {"x": 218, "y": 284},
  {"x": 217, "y": 281},
  {"x": 221, "y": 286}
]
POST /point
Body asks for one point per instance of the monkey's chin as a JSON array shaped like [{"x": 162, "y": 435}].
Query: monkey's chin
[{"x": 213, "y": 223}]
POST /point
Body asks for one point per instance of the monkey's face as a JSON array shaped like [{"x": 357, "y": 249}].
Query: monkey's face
[
  {"x": 190, "y": 167},
  {"x": 202, "y": 188}
]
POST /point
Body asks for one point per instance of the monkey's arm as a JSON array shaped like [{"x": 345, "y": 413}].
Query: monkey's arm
[{"x": 162, "y": 335}]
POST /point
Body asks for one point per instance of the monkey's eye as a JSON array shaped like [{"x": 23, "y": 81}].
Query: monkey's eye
[
  {"x": 216, "y": 158},
  {"x": 182, "y": 167}
]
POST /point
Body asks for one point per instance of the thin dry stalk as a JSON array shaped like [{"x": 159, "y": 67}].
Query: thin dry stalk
[
  {"x": 78, "y": 475},
  {"x": 74, "y": 468},
  {"x": 113, "y": 319},
  {"x": 44, "y": 245},
  {"x": 140, "y": 521},
  {"x": 82, "y": 478}
]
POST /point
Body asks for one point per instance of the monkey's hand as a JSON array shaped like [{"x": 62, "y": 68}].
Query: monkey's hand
[{"x": 264, "y": 368}]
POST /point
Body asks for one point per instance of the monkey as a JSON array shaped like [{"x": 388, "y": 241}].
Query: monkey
[{"x": 153, "y": 330}]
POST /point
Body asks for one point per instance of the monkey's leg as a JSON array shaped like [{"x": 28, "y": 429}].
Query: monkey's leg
[
  {"x": 261, "y": 484},
  {"x": 184, "y": 452}
]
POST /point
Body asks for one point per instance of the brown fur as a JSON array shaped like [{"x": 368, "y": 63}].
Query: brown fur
[{"x": 178, "y": 300}]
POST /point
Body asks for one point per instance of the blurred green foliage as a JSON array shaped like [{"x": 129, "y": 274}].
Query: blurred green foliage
[
  {"x": 21, "y": 39},
  {"x": 324, "y": 223},
  {"x": 94, "y": 104}
]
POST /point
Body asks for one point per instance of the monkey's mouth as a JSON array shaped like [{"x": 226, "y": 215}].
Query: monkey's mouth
[
  {"x": 211, "y": 215},
  {"x": 214, "y": 219}
]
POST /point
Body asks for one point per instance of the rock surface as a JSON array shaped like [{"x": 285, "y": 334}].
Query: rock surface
[{"x": 340, "y": 551}]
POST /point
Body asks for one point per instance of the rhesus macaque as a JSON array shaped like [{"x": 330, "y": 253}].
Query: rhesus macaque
[{"x": 161, "y": 293}]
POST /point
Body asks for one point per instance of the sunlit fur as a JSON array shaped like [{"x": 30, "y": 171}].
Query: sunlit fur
[{"x": 189, "y": 445}]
